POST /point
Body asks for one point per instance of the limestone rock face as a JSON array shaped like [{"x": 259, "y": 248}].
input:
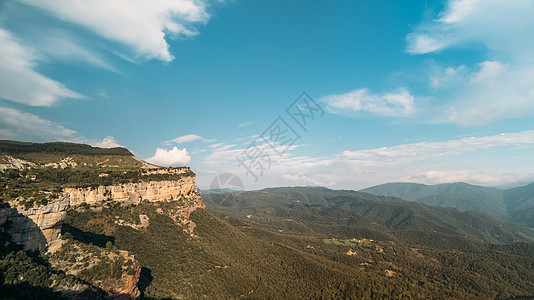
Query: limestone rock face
[
  {"x": 133, "y": 193},
  {"x": 15, "y": 163},
  {"x": 39, "y": 228},
  {"x": 36, "y": 228}
]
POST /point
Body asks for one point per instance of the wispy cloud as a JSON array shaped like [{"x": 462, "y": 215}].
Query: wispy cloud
[
  {"x": 415, "y": 159},
  {"x": 473, "y": 177},
  {"x": 15, "y": 124},
  {"x": 397, "y": 103},
  {"x": 19, "y": 125},
  {"x": 19, "y": 82},
  {"x": 501, "y": 26},
  {"x": 446, "y": 77},
  {"x": 491, "y": 89},
  {"x": 60, "y": 45},
  {"x": 187, "y": 139},
  {"x": 305, "y": 180},
  {"x": 142, "y": 26},
  {"x": 426, "y": 150},
  {"x": 223, "y": 154},
  {"x": 425, "y": 162},
  {"x": 245, "y": 124}
]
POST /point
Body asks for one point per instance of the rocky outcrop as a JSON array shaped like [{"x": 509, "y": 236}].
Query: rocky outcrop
[
  {"x": 133, "y": 193},
  {"x": 36, "y": 228},
  {"x": 129, "y": 289},
  {"x": 10, "y": 162},
  {"x": 39, "y": 228},
  {"x": 182, "y": 215}
]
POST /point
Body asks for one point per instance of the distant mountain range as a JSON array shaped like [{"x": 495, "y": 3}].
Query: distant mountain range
[
  {"x": 348, "y": 210},
  {"x": 513, "y": 205},
  {"x": 117, "y": 227}
]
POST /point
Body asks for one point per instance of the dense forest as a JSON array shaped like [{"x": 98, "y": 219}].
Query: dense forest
[
  {"x": 233, "y": 258},
  {"x": 277, "y": 243},
  {"x": 17, "y": 148},
  {"x": 245, "y": 258}
]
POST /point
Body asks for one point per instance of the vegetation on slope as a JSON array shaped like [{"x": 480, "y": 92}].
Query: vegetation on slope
[
  {"x": 458, "y": 195},
  {"x": 234, "y": 258},
  {"x": 21, "y": 148},
  {"x": 29, "y": 275},
  {"x": 515, "y": 205},
  {"x": 321, "y": 252},
  {"x": 40, "y": 185},
  {"x": 277, "y": 205},
  {"x": 62, "y": 155}
]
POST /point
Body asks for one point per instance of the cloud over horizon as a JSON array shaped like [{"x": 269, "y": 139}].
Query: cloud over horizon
[
  {"x": 423, "y": 162},
  {"x": 14, "y": 123},
  {"x": 107, "y": 142},
  {"x": 172, "y": 157}
]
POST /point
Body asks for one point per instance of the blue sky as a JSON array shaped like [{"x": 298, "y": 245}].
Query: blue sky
[{"x": 418, "y": 91}]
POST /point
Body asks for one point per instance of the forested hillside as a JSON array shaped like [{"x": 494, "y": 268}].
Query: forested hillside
[{"x": 512, "y": 205}]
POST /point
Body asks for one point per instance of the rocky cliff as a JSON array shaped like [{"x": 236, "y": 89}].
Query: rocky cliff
[
  {"x": 41, "y": 183},
  {"x": 39, "y": 228},
  {"x": 133, "y": 193},
  {"x": 36, "y": 228}
]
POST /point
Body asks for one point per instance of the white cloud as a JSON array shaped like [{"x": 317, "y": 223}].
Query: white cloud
[
  {"x": 425, "y": 162},
  {"x": 501, "y": 88},
  {"x": 305, "y": 180},
  {"x": 496, "y": 180},
  {"x": 497, "y": 91},
  {"x": 398, "y": 103},
  {"x": 210, "y": 172},
  {"x": 188, "y": 138},
  {"x": 501, "y": 26},
  {"x": 426, "y": 150},
  {"x": 140, "y": 25},
  {"x": 446, "y": 77},
  {"x": 64, "y": 46},
  {"x": 245, "y": 124},
  {"x": 437, "y": 177},
  {"x": 223, "y": 154},
  {"x": 171, "y": 157},
  {"x": 216, "y": 145},
  {"x": 489, "y": 72},
  {"x": 107, "y": 142},
  {"x": 19, "y": 82},
  {"x": 20, "y": 125}
]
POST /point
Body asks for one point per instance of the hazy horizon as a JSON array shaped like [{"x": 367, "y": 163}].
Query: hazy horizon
[{"x": 345, "y": 96}]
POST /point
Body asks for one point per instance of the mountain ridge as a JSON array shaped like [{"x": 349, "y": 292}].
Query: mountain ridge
[
  {"x": 125, "y": 230},
  {"x": 510, "y": 205},
  {"x": 393, "y": 213}
]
